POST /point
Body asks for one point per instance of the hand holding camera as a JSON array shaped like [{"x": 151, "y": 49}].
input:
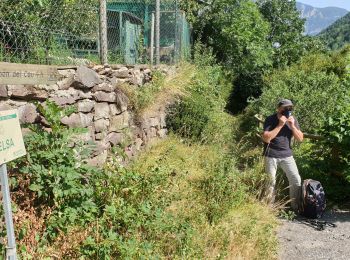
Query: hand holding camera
[{"x": 287, "y": 112}]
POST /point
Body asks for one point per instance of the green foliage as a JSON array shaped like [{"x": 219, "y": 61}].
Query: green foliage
[
  {"x": 208, "y": 91},
  {"x": 176, "y": 201},
  {"x": 286, "y": 33},
  {"x": 314, "y": 84},
  {"x": 319, "y": 87},
  {"x": 336, "y": 130},
  {"x": 241, "y": 41},
  {"x": 44, "y": 30},
  {"x": 54, "y": 165},
  {"x": 337, "y": 35},
  {"x": 147, "y": 93}
]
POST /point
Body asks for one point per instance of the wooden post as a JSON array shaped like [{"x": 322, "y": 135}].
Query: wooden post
[{"x": 103, "y": 32}]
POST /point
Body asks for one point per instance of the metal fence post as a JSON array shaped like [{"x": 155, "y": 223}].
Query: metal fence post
[
  {"x": 11, "y": 242},
  {"x": 177, "y": 35},
  {"x": 152, "y": 40},
  {"x": 157, "y": 32},
  {"x": 103, "y": 32}
]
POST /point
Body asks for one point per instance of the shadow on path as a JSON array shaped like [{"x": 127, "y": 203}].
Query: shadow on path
[{"x": 302, "y": 240}]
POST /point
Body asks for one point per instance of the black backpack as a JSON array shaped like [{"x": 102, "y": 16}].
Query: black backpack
[{"x": 313, "y": 197}]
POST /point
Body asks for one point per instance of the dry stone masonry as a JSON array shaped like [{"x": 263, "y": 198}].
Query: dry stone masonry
[{"x": 101, "y": 107}]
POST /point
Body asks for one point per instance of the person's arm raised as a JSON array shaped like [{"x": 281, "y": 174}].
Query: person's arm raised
[
  {"x": 297, "y": 134},
  {"x": 269, "y": 135}
]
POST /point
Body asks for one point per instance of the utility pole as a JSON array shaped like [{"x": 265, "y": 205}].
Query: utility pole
[
  {"x": 103, "y": 32},
  {"x": 157, "y": 32}
]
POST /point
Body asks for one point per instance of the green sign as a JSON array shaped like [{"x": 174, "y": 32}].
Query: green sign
[{"x": 11, "y": 139}]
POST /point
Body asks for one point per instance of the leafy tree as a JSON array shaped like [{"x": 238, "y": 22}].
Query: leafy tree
[
  {"x": 286, "y": 33},
  {"x": 238, "y": 34}
]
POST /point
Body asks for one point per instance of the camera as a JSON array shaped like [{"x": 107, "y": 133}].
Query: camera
[{"x": 287, "y": 112}]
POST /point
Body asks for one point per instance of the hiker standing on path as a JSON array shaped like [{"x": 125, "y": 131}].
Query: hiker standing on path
[{"x": 279, "y": 129}]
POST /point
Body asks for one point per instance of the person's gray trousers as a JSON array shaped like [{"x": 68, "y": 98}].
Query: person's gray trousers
[{"x": 290, "y": 168}]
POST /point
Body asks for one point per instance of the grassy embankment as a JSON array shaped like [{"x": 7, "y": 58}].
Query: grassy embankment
[{"x": 182, "y": 198}]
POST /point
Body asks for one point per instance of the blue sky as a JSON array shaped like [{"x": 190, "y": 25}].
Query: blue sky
[{"x": 324, "y": 3}]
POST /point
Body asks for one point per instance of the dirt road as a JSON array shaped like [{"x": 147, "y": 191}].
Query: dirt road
[{"x": 300, "y": 240}]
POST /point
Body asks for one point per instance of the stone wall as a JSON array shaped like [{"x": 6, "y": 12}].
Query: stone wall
[{"x": 101, "y": 107}]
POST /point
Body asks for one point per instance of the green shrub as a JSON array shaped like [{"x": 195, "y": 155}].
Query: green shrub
[
  {"x": 318, "y": 86},
  {"x": 54, "y": 166},
  {"x": 336, "y": 131},
  {"x": 315, "y": 85},
  {"x": 204, "y": 106}
]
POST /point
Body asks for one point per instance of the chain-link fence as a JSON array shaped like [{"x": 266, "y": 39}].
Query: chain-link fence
[
  {"x": 67, "y": 32},
  {"x": 48, "y": 31}
]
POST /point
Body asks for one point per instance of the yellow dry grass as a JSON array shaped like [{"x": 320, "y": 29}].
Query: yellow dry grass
[
  {"x": 247, "y": 231},
  {"x": 174, "y": 87}
]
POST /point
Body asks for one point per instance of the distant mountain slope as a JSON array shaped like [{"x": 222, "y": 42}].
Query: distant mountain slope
[
  {"x": 318, "y": 19},
  {"x": 338, "y": 34}
]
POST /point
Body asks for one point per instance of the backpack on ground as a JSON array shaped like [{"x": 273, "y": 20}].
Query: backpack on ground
[{"x": 313, "y": 197}]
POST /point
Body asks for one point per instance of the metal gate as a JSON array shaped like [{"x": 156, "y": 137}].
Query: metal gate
[{"x": 132, "y": 34}]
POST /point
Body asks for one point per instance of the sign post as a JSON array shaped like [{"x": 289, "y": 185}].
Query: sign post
[
  {"x": 11, "y": 242},
  {"x": 11, "y": 147}
]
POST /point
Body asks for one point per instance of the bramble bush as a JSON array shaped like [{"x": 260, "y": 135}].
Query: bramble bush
[{"x": 53, "y": 170}]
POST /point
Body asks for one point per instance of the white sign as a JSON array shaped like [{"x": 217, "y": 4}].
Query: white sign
[{"x": 11, "y": 139}]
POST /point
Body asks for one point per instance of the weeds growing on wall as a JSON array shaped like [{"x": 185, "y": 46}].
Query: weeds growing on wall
[{"x": 181, "y": 199}]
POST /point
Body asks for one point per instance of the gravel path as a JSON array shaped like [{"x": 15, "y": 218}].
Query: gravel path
[{"x": 302, "y": 241}]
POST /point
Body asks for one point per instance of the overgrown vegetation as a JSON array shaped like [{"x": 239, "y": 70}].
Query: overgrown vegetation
[
  {"x": 195, "y": 195},
  {"x": 184, "y": 198},
  {"x": 319, "y": 86},
  {"x": 337, "y": 34},
  {"x": 47, "y": 31}
]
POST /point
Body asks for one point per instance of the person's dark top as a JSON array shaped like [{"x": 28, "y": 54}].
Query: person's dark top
[{"x": 280, "y": 146}]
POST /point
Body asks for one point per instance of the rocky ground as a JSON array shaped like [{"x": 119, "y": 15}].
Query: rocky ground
[{"x": 300, "y": 240}]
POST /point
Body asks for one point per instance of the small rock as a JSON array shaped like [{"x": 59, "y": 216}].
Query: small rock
[
  {"x": 119, "y": 122},
  {"x": 147, "y": 71},
  {"x": 121, "y": 100},
  {"x": 154, "y": 121},
  {"x": 162, "y": 133},
  {"x": 27, "y": 92},
  {"x": 27, "y": 113},
  {"x": 85, "y": 105},
  {"x": 3, "y": 91},
  {"x": 86, "y": 78},
  {"x": 104, "y": 87},
  {"x": 115, "y": 110},
  {"x": 138, "y": 143},
  {"x": 100, "y": 136},
  {"x": 115, "y": 138},
  {"x": 78, "y": 120},
  {"x": 101, "y": 111},
  {"x": 101, "y": 96},
  {"x": 99, "y": 160},
  {"x": 101, "y": 125},
  {"x": 66, "y": 97},
  {"x": 122, "y": 73},
  {"x": 65, "y": 83}
]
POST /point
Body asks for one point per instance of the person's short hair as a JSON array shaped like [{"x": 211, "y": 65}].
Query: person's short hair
[{"x": 285, "y": 103}]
